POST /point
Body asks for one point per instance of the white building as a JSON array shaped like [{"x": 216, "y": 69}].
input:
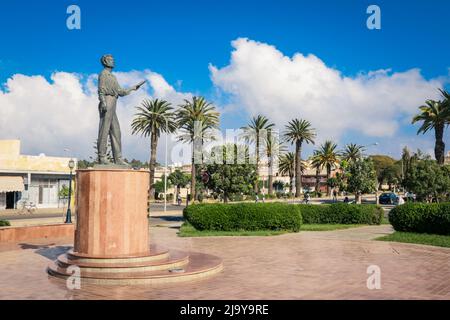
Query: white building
[{"x": 36, "y": 179}]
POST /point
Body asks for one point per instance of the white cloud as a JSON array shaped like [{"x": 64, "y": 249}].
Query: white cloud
[
  {"x": 49, "y": 116},
  {"x": 263, "y": 80}
]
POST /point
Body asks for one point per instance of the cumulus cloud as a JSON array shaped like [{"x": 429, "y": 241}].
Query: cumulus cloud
[
  {"x": 264, "y": 80},
  {"x": 49, "y": 116}
]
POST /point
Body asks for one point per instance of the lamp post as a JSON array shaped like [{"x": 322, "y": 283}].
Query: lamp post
[{"x": 69, "y": 213}]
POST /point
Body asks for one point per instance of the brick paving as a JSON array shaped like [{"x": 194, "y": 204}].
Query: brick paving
[{"x": 306, "y": 265}]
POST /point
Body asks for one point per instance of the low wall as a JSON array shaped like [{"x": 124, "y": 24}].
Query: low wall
[{"x": 18, "y": 234}]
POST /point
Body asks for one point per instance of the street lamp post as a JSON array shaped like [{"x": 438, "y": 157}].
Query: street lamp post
[
  {"x": 165, "y": 169},
  {"x": 69, "y": 213}
]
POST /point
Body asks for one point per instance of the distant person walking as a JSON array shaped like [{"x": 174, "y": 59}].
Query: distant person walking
[
  {"x": 307, "y": 198},
  {"x": 334, "y": 195}
]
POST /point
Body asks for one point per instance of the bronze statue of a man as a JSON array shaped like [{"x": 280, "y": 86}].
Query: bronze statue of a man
[{"x": 109, "y": 91}]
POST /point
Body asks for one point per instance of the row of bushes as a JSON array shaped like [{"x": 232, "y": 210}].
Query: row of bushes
[
  {"x": 244, "y": 216},
  {"x": 277, "y": 216},
  {"x": 422, "y": 218},
  {"x": 4, "y": 223},
  {"x": 341, "y": 213}
]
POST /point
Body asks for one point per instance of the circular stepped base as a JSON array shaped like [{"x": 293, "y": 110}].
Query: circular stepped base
[{"x": 157, "y": 266}]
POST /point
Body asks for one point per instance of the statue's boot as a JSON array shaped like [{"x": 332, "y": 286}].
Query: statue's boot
[
  {"x": 104, "y": 160},
  {"x": 121, "y": 162}
]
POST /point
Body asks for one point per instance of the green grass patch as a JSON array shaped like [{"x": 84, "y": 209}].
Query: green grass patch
[
  {"x": 328, "y": 226},
  {"x": 418, "y": 238},
  {"x": 187, "y": 230}
]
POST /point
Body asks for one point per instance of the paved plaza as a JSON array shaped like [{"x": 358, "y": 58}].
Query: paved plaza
[{"x": 305, "y": 265}]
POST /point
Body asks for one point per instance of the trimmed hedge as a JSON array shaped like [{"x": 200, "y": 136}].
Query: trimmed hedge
[
  {"x": 4, "y": 223},
  {"x": 244, "y": 216},
  {"x": 422, "y": 218},
  {"x": 341, "y": 213}
]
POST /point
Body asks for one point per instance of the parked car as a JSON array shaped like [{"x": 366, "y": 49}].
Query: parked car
[{"x": 388, "y": 198}]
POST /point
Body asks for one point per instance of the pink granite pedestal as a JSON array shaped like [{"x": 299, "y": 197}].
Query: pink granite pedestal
[{"x": 112, "y": 235}]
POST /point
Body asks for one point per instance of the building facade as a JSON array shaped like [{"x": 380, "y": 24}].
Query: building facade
[{"x": 32, "y": 179}]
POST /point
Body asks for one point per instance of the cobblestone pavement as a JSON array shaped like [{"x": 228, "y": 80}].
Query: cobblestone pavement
[{"x": 305, "y": 265}]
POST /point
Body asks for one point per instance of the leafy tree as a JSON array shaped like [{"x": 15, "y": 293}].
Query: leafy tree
[
  {"x": 178, "y": 179},
  {"x": 297, "y": 132},
  {"x": 228, "y": 179},
  {"x": 361, "y": 177},
  {"x": 435, "y": 115},
  {"x": 253, "y": 132},
  {"x": 428, "y": 180},
  {"x": 392, "y": 175},
  {"x": 63, "y": 192},
  {"x": 192, "y": 113},
  {"x": 326, "y": 157},
  {"x": 84, "y": 164},
  {"x": 138, "y": 164},
  {"x": 159, "y": 185},
  {"x": 153, "y": 117},
  {"x": 381, "y": 163},
  {"x": 278, "y": 185}
]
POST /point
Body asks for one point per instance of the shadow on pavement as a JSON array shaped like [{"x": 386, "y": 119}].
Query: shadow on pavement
[{"x": 48, "y": 251}]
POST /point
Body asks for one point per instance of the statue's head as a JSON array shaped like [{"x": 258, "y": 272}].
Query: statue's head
[{"x": 107, "y": 60}]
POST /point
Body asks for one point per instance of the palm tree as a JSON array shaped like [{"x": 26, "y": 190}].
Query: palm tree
[
  {"x": 196, "y": 118},
  {"x": 435, "y": 115},
  {"x": 252, "y": 133},
  {"x": 318, "y": 168},
  {"x": 297, "y": 132},
  {"x": 286, "y": 166},
  {"x": 272, "y": 147},
  {"x": 352, "y": 152},
  {"x": 326, "y": 157},
  {"x": 153, "y": 117}
]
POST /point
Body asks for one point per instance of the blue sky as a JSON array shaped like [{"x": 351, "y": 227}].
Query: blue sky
[{"x": 179, "y": 39}]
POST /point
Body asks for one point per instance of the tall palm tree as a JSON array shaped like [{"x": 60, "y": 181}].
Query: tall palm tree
[
  {"x": 352, "y": 152},
  {"x": 272, "y": 147},
  {"x": 326, "y": 157},
  {"x": 286, "y": 166},
  {"x": 297, "y": 132},
  {"x": 435, "y": 115},
  {"x": 196, "y": 118},
  {"x": 318, "y": 168},
  {"x": 153, "y": 117},
  {"x": 255, "y": 130}
]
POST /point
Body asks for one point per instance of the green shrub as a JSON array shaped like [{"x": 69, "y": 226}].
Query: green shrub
[
  {"x": 244, "y": 216},
  {"x": 236, "y": 197},
  {"x": 341, "y": 213},
  {"x": 4, "y": 223},
  {"x": 422, "y": 218}
]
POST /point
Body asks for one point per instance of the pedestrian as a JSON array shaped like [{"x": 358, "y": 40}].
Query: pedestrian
[
  {"x": 256, "y": 198},
  {"x": 334, "y": 195}
]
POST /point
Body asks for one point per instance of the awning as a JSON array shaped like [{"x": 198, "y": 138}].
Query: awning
[{"x": 11, "y": 183}]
